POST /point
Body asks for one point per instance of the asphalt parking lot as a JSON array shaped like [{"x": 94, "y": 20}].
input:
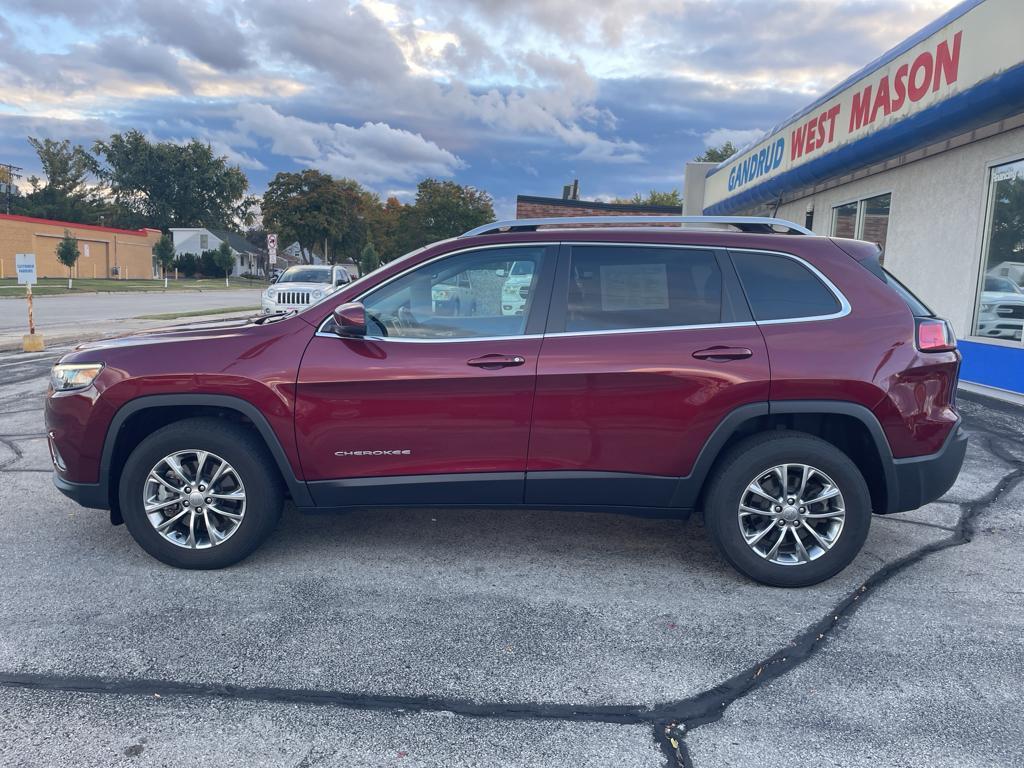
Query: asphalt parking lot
[{"x": 458, "y": 638}]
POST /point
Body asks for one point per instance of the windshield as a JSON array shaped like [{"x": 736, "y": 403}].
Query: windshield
[
  {"x": 1001, "y": 284},
  {"x": 306, "y": 275}
]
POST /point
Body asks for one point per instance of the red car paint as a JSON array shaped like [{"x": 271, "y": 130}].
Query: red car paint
[{"x": 637, "y": 404}]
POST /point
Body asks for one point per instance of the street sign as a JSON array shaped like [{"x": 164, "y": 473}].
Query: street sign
[
  {"x": 272, "y": 247},
  {"x": 25, "y": 266}
]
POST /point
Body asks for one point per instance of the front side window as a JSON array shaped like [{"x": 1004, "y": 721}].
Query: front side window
[
  {"x": 463, "y": 296},
  {"x": 623, "y": 287},
  {"x": 781, "y": 288},
  {"x": 1000, "y": 312}
]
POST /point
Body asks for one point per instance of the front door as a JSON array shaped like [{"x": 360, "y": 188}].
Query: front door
[
  {"x": 649, "y": 347},
  {"x": 434, "y": 405}
]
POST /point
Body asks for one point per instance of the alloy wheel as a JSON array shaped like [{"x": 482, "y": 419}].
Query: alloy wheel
[
  {"x": 194, "y": 499},
  {"x": 791, "y": 514}
]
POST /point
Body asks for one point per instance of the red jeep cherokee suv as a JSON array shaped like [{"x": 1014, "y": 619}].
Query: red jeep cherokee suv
[{"x": 783, "y": 384}]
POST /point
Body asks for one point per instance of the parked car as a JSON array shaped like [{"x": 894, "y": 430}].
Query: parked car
[
  {"x": 516, "y": 290},
  {"x": 455, "y": 296},
  {"x": 1001, "y": 311},
  {"x": 302, "y": 285},
  {"x": 769, "y": 382}
]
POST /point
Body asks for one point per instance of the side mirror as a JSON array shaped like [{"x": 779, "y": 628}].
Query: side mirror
[
  {"x": 501, "y": 273},
  {"x": 350, "y": 320},
  {"x": 273, "y": 278}
]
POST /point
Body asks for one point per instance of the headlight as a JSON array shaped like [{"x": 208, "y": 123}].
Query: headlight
[
  {"x": 440, "y": 295},
  {"x": 318, "y": 294},
  {"x": 987, "y": 307},
  {"x": 73, "y": 375},
  {"x": 270, "y": 294}
]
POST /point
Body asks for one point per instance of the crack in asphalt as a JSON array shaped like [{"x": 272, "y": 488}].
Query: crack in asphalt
[
  {"x": 671, "y": 721},
  {"x": 711, "y": 705}
]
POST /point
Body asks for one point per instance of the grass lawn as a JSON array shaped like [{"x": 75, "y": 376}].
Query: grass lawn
[
  {"x": 197, "y": 313},
  {"x": 54, "y": 286}
]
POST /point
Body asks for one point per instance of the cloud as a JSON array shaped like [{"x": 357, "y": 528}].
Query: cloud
[
  {"x": 210, "y": 36},
  {"x": 371, "y": 153},
  {"x": 738, "y": 136}
]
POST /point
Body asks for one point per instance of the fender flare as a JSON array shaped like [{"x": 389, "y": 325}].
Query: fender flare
[
  {"x": 296, "y": 488},
  {"x": 689, "y": 488}
]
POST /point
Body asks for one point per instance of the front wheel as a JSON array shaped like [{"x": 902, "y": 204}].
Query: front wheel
[
  {"x": 788, "y": 509},
  {"x": 200, "y": 493}
]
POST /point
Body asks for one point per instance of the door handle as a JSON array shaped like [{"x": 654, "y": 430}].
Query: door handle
[
  {"x": 722, "y": 354},
  {"x": 494, "y": 362}
]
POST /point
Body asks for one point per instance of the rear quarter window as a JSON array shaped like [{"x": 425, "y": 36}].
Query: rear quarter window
[{"x": 781, "y": 288}]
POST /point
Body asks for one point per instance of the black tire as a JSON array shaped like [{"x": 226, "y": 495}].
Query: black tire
[
  {"x": 244, "y": 451},
  {"x": 745, "y": 462}
]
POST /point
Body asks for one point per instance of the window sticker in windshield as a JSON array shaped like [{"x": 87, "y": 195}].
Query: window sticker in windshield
[{"x": 633, "y": 286}]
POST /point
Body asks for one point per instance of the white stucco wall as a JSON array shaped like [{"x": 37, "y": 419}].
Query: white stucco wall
[{"x": 936, "y": 222}]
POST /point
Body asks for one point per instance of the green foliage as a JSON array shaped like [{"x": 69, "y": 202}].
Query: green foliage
[
  {"x": 164, "y": 252},
  {"x": 67, "y": 251},
  {"x": 224, "y": 259},
  {"x": 369, "y": 259},
  {"x": 305, "y": 207},
  {"x": 655, "y": 197},
  {"x": 442, "y": 209},
  {"x": 1007, "y": 239},
  {"x": 187, "y": 264},
  {"x": 164, "y": 185},
  {"x": 69, "y": 192},
  {"x": 716, "y": 154}
]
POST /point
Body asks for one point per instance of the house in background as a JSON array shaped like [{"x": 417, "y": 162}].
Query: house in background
[{"x": 248, "y": 258}]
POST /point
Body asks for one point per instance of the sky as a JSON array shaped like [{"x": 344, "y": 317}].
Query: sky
[{"x": 510, "y": 96}]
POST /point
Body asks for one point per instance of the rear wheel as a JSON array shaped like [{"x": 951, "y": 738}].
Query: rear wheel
[
  {"x": 788, "y": 509},
  {"x": 200, "y": 493}
]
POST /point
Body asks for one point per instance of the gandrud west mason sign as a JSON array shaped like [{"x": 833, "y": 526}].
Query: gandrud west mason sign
[{"x": 964, "y": 70}]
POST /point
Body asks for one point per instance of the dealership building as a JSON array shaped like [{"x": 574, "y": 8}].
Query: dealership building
[{"x": 921, "y": 151}]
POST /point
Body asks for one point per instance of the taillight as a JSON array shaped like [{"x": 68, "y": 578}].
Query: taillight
[{"x": 934, "y": 335}]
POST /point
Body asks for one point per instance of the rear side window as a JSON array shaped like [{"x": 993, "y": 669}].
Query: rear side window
[
  {"x": 780, "y": 288},
  {"x": 623, "y": 287}
]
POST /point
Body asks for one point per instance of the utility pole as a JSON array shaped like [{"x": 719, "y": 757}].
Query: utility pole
[{"x": 8, "y": 173}]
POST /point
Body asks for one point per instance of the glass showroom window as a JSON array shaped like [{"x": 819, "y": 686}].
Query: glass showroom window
[
  {"x": 1000, "y": 296},
  {"x": 866, "y": 219}
]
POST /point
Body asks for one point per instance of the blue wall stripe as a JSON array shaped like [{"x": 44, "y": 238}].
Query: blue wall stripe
[{"x": 993, "y": 365}]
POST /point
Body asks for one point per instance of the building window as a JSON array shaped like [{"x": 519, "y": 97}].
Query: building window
[
  {"x": 866, "y": 219},
  {"x": 1000, "y": 312},
  {"x": 204, "y": 242}
]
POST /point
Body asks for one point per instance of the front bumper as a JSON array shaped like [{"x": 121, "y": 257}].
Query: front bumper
[
  {"x": 920, "y": 480},
  {"x": 89, "y": 495}
]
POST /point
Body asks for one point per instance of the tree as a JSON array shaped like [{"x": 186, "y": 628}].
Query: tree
[
  {"x": 67, "y": 253},
  {"x": 70, "y": 191},
  {"x": 224, "y": 259},
  {"x": 442, "y": 209},
  {"x": 164, "y": 253},
  {"x": 305, "y": 207},
  {"x": 166, "y": 185},
  {"x": 716, "y": 154},
  {"x": 368, "y": 259},
  {"x": 654, "y": 197}
]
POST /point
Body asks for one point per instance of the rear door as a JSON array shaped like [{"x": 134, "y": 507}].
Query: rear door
[
  {"x": 648, "y": 348},
  {"x": 434, "y": 405}
]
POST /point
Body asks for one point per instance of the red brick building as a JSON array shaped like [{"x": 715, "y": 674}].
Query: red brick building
[{"x": 531, "y": 207}]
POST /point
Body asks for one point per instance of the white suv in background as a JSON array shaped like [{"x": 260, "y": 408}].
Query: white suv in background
[
  {"x": 1001, "y": 314},
  {"x": 303, "y": 285},
  {"x": 516, "y": 290}
]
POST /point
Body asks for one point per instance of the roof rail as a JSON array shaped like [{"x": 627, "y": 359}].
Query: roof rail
[{"x": 761, "y": 224}]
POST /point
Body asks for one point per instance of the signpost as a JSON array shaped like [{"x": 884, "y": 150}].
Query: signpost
[
  {"x": 25, "y": 266},
  {"x": 272, "y": 248}
]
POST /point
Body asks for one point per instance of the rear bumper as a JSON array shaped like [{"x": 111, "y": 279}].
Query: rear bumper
[
  {"x": 90, "y": 495},
  {"x": 920, "y": 480}
]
